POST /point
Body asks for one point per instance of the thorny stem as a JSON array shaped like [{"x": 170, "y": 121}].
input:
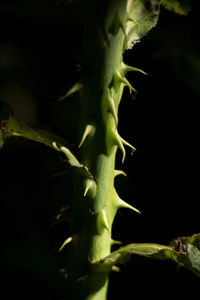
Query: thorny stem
[{"x": 96, "y": 201}]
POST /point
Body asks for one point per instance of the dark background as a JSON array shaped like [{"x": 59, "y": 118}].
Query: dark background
[{"x": 40, "y": 45}]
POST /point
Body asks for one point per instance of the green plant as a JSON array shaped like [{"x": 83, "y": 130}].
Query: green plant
[{"x": 111, "y": 28}]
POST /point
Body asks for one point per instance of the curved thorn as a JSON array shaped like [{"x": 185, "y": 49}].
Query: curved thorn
[
  {"x": 118, "y": 141},
  {"x": 125, "y": 82},
  {"x": 54, "y": 145},
  {"x": 67, "y": 241},
  {"x": 89, "y": 130},
  {"x": 127, "y": 68},
  {"x": 137, "y": 70},
  {"x": 75, "y": 88},
  {"x": 127, "y": 144},
  {"x": 119, "y": 172},
  {"x": 112, "y": 108}
]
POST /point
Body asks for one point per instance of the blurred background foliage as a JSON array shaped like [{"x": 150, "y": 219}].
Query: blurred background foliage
[{"x": 40, "y": 46}]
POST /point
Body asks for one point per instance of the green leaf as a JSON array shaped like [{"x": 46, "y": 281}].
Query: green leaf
[
  {"x": 11, "y": 125},
  {"x": 121, "y": 255},
  {"x": 194, "y": 258},
  {"x": 190, "y": 247},
  {"x": 184, "y": 251},
  {"x": 142, "y": 16},
  {"x": 181, "y": 7}
]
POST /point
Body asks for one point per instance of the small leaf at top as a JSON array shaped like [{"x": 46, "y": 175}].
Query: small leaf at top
[{"x": 142, "y": 16}]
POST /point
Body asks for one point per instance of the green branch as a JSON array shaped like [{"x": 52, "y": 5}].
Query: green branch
[
  {"x": 185, "y": 251},
  {"x": 11, "y": 125}
]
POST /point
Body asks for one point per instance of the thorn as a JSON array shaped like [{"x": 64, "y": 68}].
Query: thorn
[
  {"x": 108, "y": 105},
  {"x": 125, "y": 82},
  {"x": 67, "y": 241},
  {"x": 54, "y": 145},
  {"x": 120, "y": 23},
  {"x": 89, "y": 131},
  {"x": 118, "y": 141},
  {"x": 122, "y": 204},
  {"x": 75, "y": 88},
  {"x": 114, "y": 242},
  {"x": 127, "y": 144},
  {"x": 105, "y": 221},
  {"x": 116, "y": 24},
  {"x": 119, "y": 172},
  {"x": 86, "y": 190},
  {"x": 116, "y": 269},
  {"x": 102, "y": 221},
  {"x": 112, "y": 108},
  {"x": 89, "y": 184},
  {"x": 126, "y": 68}
]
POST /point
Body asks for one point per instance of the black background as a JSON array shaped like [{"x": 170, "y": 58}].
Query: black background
[{"x": 40, "y": 45}]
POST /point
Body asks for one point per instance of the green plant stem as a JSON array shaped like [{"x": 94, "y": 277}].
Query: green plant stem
[{"x": 94, "y": 211}]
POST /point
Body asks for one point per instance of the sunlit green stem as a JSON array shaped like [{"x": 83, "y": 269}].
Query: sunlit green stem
[{"x": 96, "y": 201}]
